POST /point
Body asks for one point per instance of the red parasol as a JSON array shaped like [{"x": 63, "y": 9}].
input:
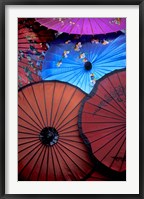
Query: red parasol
[
  {"x": 49, "y": 145},
  {"x": 103, "y": 121},
  {"x": 32, "y": 45}
]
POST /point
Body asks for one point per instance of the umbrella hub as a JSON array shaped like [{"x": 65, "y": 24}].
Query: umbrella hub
[
  {"x": 88, "y": 65},
  {"x": 49, "y": 136}
]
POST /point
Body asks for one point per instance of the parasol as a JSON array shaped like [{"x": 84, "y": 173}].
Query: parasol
[
  {"x": 82, "y": 64},
  {"x": 84, "y": 26},
  {"x": 32, "y": 45},
  {"x": 102, "y": 121},
  {"x": 49, "y": 145}
]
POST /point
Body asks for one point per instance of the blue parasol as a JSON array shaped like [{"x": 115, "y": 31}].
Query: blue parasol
[{"x": 82, "y": 64}]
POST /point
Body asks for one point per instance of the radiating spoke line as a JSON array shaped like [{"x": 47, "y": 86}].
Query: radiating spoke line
[
  {"x": 22, "y": 138},
  {"x": 73, "y": 146},
  {"x": 45, "y": 104},
  {"x": 73, "y": 131},
  {"x": 27, "y": 128},
  {"x": 68, "y": 128},
  {"x": 38, "y": 106},
  {"x": 73, "y": 26},
  {"x": 117, "y": 95},
  {"x": 91, "y": 25},
  {"x": 65, "y": 124},
  {"x": 110, "y": 140},
  {"x": 20, "y": 132},
  {"x": 29, "y": 160},
  {"x": 28, "y": 123},
  {"x": 29, "y": 147},
  {"x": 65, "y": 161},
  {"x": 105, "y": 116},
  {"x": 113, "y": 147},
  {"x": 124, "y": 159},
  {"x": 41, "y": 151},
  {"x": 108, "y": 134},
  {"x": 66, "y": 106},
  {"x": 75, "y": 154},
  {"x": 27, "y": 142},
  {"x": 102, "y": 129},
  {"x": 41, "y": 164},
  {"x": 59, "y": 105},
  {"x": 105, "y": 110},
  {"x": 58, "y": 162},
  {"x": 122, "y": 113},
  {"x": 101, "y": 122},
  {"x": 118, "y": 152},
  {"x": 31, "y": 108},
  {"x": 53, "y": 164},
  {"x": 121, "y": 84},
  {"x": 51, "y": 112},
  {"x": 47, "y": 169},
  {"x": 71, "y": 159},
  {"x": 71, "y": 140},
  {"x": 30, "y": 117},
  {"x": 30, "y": 152}
]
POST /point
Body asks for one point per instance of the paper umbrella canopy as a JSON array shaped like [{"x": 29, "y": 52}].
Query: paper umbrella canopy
[
  {"x": 83, "y": 64},
  {"x": 84, "y": 26},
  {"x": 49, "y": 145},
  {"x": 102, "y": 121}
]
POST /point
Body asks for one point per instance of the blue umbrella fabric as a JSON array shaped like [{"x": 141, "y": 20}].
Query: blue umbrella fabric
[{"x": 82, "y": 64}]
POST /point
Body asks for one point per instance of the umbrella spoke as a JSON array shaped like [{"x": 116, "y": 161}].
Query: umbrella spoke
[
  {"x": 45, "y": 104},
  {"x": 28, "y": 147},
  {"x": 29, "y": 123}
]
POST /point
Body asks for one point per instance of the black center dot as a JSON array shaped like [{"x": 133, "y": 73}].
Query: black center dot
[
  {"x": 88, "y": 65},
  {"x": 49, "y": 136}
]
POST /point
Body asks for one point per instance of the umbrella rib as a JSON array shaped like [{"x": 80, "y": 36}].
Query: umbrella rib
[
  {"x": 65, "y": 161},
  {"x": 107, "y": 135},
  {"x": 59, "y": 105},
  {"x": 66, "y": 106},
  {"x": 113, "y": 100},
  {"x": 27, "y": 142},
  {"x": 31, "y": 107},
  {"x": 73, "y": 27},
  {"x": 41, "y": 150},
  {"x": 68, "y": 127},
  {"x": 117, "y": 94},
  {"x": 117, "y": 153},
  {"x": 53, "y": 165},
  {"x": 69, "y": 132},
  {"x": 29, "y": 116},
  {"x": 113, "y": 148},
  {"x": 98, "y": 130},
  {"x": 76, "y": 156},
  {"x": 104, "y": 109},
  {"x": 20, "y": 132},
  {"x": 65, "y": 124},
  {"x": 100, "y": 27},
  {"x": 73, "y": 146},
  {"x": 38, "y": 105},
  {"x": 51, "y": 112},
  {"x": 22, "y": 138},
  {"x": 91, "y": 26},
  {"x": 29, "y": 160},
  {"x": 30, "y": 152},
  {"x": 45, "y": 104},
  {"x": 41, "y": 164},
  {"x": 95, "y": 114},
  {"x": 121, "y": 84},
  {"x": 27, "y": 128},
  {"x": 59, "y": 162},
  {"x": 47, "y": 164},
  {"x": 124, "y": 158},
  {"x": 107, "y": 25},
  {"x": 28, "y": 123},
  {"x": 71, "y": 140},
  {"x": 28, "y": 147},
  {"x": 89, "y": 122},
  {"x": 110, "y": 140}
]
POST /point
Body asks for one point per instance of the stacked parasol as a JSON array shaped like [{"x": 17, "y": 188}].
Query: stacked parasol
[{"x": 72, "y": 99}]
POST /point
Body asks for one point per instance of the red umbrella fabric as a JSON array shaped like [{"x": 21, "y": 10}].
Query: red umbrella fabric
[
  {"x": 49, "y": 145},
  {"x": 32, "y": 45},
  {"x": 102, "y": 121},
  {"x": 84, "y": 26}
]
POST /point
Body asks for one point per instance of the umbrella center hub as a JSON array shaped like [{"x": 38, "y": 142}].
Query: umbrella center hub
[
  {"x": 88, "y": 65},
  {"x": 49, "y": 136}
]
